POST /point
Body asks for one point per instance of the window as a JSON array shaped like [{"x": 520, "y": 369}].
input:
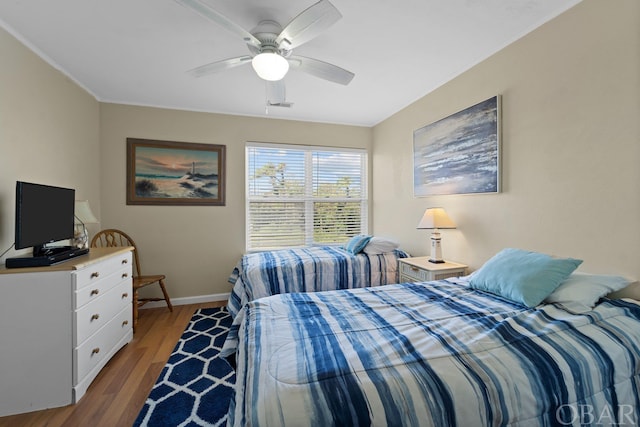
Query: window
[{"x": 302, "y": 196}]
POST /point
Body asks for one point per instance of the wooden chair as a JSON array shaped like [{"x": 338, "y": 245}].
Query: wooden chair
[{"x": 115, "y": 238}]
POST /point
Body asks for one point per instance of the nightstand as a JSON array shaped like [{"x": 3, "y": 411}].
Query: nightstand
[{"x": 419, "y": 269}]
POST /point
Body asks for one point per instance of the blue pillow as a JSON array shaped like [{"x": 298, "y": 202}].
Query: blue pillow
[
  {"x": 356, "y": 244},
  {"x": 522, "y": 276}
]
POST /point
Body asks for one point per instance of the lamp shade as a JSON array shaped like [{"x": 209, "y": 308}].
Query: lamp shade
[
  {"x": 436, "y": 218},
  {"x": 270, "y": 66},
  {"x": 83, "y": 213}
]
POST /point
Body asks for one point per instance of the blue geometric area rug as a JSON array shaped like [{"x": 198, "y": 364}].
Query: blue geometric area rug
[{"x": 195, "y": 386}]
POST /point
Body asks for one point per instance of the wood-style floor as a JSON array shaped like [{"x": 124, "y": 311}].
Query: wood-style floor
[{"x": 118, "y": 393}]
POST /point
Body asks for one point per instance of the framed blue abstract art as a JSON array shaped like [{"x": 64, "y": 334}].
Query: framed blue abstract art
[{"x": 459, "y": 154}]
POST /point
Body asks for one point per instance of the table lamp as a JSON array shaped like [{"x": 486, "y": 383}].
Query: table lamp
[
  {"x": 83, "y": 216},
  {"x": 436, "y": 218}
]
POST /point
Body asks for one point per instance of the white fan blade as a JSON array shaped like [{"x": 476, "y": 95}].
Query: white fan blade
[
  {"x": 308, "y": 24},
  {"x": 321, "y": 69},
  {"x": 213, "y": 15},
  {"x": 218, "y": 66}
]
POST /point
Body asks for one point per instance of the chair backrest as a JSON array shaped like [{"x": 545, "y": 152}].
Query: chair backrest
[{"x": 110, "y": 238}]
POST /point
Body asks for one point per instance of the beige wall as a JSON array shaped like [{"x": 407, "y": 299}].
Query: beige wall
[
  {"x": 571, "y": 144},
  {"x": 54, "y": 132},
  {"x": 49, "y": 132},
  {"x": 196, "y": 246},
  {"x": 570, "y": 147}
]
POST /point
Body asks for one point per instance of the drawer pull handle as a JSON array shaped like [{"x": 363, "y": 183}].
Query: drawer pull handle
[
  {"x": 95, "y": 292},
  {"x": 125, "y": 275},
  {"x": 95, "y": 317},
  {"x": 95, "y": 274},
  {"x": 125, "y": 295},
  {"x": 95, "y": 351},
  {"x": 416, "y": 269},
  {"x": 125, "y": 323},
  {"x": 125, "y": 261}
]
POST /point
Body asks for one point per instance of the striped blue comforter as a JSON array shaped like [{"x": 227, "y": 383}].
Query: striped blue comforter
[
  {"x": 312, "y": 269},
  {"x": 434, "y": 354}
]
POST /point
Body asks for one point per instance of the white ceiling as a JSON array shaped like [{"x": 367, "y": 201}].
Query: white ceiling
[{"x": 138, "y": 51}]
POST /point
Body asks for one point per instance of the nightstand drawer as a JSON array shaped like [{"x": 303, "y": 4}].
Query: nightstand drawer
[
  {"x": 420, "y": 269},
  {"x": 446, "y": 274},
  {"x": 413, "y": 273}
]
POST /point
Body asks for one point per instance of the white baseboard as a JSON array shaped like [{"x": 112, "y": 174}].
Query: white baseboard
[{"x": 189, "y": 300}]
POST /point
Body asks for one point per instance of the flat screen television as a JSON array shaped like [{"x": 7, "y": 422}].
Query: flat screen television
[{"x": 44, "y": 214}]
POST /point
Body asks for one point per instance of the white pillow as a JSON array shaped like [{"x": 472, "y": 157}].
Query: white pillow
[
  {"x": 379, "y": 245},
  {"x": 581, "y": 291}
]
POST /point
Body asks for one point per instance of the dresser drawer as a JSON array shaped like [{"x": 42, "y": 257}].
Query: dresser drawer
[
  {"x": 88, "y": 294},
  {"x": 95, "y": 272},
  {"x": 100, "y": 345},
  {"x": 93, "y": 316}
]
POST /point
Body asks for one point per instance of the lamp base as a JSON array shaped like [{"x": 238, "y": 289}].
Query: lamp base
[{"x": 436, "y": 248}]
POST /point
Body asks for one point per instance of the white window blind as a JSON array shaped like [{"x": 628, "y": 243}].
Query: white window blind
[{"x": 302, "y": 196}]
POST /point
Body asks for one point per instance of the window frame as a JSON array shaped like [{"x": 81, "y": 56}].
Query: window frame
[{"x": 308, "y": 198}]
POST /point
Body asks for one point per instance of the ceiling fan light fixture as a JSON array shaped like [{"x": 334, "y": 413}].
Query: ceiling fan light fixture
[{"x": 270, "y": 66}]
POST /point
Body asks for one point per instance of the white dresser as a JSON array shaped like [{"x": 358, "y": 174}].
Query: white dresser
[{"x": 60, "y": 325}]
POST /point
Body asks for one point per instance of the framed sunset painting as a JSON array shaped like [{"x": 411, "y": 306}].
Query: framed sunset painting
[
  {"x": 175, "y": 173},
  {"x": 459, "y": 154}
]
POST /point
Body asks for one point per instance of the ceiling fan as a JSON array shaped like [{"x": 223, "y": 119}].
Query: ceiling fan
[{"x": 271, "y": 46}]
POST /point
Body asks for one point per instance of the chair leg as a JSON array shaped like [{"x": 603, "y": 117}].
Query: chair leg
[
  {"x": 166, "y": 295},
  {"x": 135, "y": 309}
]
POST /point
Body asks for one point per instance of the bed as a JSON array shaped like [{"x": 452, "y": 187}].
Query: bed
[
  {"x": 435, "y": 354},
  {"x": 310, "y": 269}
]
